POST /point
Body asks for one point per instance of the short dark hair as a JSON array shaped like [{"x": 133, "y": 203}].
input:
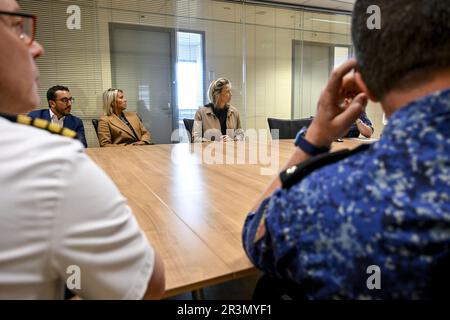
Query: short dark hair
[
  {"x": 51, "y": 93},
  {"x": 412, "y": 44}
]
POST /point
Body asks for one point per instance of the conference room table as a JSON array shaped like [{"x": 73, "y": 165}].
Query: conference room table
[{"x": 191, "y": 201}]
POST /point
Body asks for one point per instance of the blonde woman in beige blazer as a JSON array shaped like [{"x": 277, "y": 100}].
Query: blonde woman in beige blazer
[
  {"x": 118, "y": 127},
  {"x": 218, "y": 120}
]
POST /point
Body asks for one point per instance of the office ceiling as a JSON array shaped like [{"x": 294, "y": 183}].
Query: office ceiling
[{"x": 346, "y": 5}]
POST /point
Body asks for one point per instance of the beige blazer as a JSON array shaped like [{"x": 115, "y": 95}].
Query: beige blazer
[
  {"x": 114, "y": 132},
  {"x": 206, "y": 125}
]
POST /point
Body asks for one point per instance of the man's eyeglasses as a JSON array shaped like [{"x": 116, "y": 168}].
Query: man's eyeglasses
[
  {"x": 24, "y": 25},
  {"x": 67, "y": 100}
]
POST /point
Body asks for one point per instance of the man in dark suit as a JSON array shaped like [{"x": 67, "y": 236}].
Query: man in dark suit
[{"x": 60, "y": 104}]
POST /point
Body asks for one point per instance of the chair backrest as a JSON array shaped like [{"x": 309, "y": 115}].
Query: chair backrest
[
  {"x": 287, "y": 128},
  {"x": 95, "y": 124},
  {"x": 189, "y": 124}
]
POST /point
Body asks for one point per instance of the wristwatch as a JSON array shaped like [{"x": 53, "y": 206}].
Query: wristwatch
[{"x": 306, "y": 146}]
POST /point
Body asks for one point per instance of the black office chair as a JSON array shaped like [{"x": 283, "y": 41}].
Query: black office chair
[
  {"x": 189, "y": 124},
  {"x": 95, "y": 124},
  {"x": 287, "y": 128}
]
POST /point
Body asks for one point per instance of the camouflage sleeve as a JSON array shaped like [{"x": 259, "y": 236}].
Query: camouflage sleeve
[{"x": 264, "y": 241}]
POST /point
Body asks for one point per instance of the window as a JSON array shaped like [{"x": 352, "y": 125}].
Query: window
[
  {"x": 190, "y": 74},
  {"x": 341, "y": 54}
]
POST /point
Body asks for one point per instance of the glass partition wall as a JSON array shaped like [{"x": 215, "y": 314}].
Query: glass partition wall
[{"x": 165, "y": 53}]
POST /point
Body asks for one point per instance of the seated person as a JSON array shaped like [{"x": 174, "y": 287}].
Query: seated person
[
  {"x": 119, "y": 127},
  {"x": 362, "y": 125},
  {"x": 63, "y": 221},
  {"x": 218, "y": 119},
  {"x": 371, "y": 223},
  {"x": 59, "y": 106}
]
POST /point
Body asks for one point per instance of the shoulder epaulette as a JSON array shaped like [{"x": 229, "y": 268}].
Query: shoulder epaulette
[
  {"x": 296, "y": 173},
  {"x": 41, "y": 124}
]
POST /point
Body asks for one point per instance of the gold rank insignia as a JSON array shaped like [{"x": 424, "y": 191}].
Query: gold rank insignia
[{"x": 41, "y": 124}]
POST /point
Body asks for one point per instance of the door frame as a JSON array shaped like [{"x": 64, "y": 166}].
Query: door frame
[
  {"x": 331, "y": 47},
  {"x": 173, "y": 60},
  {"x": 115, "y": 26}
]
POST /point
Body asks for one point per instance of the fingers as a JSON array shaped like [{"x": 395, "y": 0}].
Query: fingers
[
  {"x": 352, "y": 112},
  {"x": 226, "y": 138},
  {"x": 360, "y": 101},
  {"x": 331, "y": 119},
  {"x": 335, "y": 81},
  {"x": 349, "y": 87}
]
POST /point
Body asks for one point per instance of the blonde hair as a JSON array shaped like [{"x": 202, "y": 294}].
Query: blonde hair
[
  {"x": 215, "y": 88},
  {"x": 109, "y": 100}
]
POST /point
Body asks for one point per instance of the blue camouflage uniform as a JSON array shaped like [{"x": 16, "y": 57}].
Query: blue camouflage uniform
[
  {"x": 354, "y": 131},
  {"x": 387, "y": 206}
]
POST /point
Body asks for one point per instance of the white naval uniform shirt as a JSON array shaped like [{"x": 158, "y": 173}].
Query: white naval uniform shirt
[{"x": 58, "y": 209}]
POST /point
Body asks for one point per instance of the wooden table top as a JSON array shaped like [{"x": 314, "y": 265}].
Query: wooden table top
[{"x": 191, "y": 209}]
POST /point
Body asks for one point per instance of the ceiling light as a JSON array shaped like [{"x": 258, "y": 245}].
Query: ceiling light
[{"x": 331, "y": 21}]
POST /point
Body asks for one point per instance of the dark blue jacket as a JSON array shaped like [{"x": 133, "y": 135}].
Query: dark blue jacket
[{"x": 70, "y": 122}]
